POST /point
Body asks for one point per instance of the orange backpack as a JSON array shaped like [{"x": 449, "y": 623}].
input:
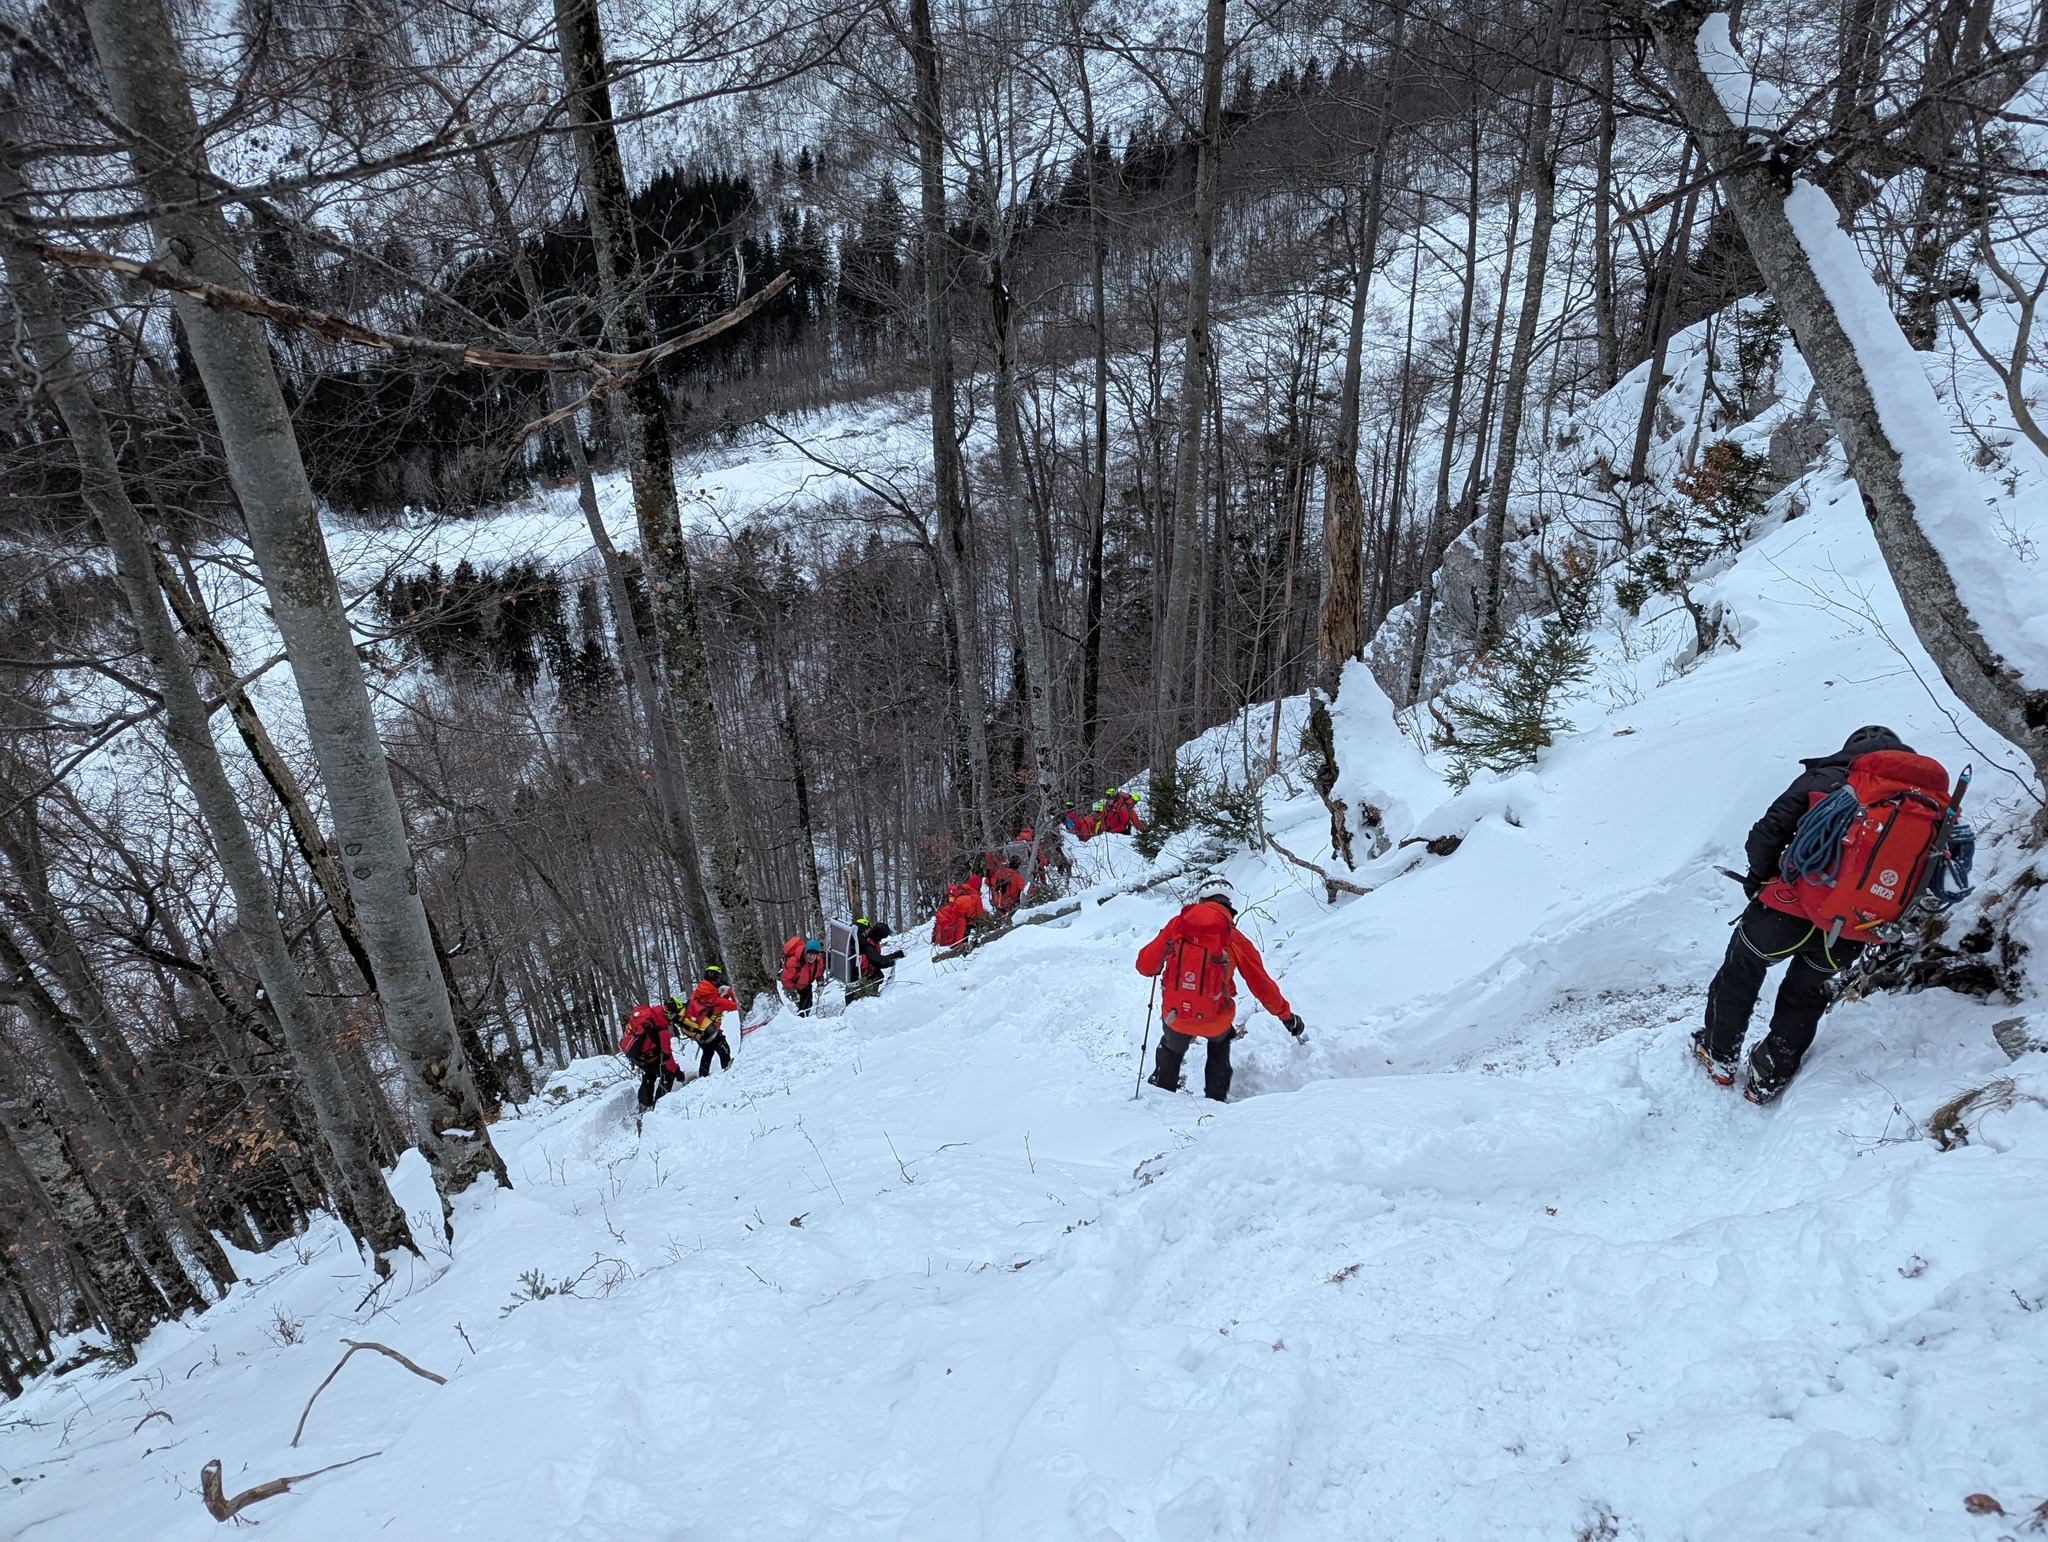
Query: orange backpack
[{"x": 1863, "y": 853}]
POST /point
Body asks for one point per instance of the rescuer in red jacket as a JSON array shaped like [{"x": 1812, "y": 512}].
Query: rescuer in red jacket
[
  {"x": 1197, "y": 956},
  {"x": 702, "y": 1019}
]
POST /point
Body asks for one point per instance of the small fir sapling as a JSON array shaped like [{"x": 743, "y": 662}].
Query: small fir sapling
[
  {"x": 1516, "y": 716},
  {"x": 1717, "y": 501}
]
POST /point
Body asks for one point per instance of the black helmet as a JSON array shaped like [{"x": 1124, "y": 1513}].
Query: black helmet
[{"x": 1871, "y": 737}]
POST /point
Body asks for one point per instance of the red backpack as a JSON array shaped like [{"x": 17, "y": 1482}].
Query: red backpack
[
  {"x": 1863, "y": 853},
  {"x": 949, "y": 926},
  {"x": 1195, "y": 985},
  {"x": 641, "y": 1042}
]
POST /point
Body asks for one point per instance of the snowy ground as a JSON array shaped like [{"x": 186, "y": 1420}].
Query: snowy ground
[{"x": 1488, "y": 1258}]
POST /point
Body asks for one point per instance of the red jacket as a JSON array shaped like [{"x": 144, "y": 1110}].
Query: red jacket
[
  {"x": 804, "y": 967},
  {"x": 645, "y": 1020},
  {"x": 949, "y": 926},
  {"x": 1204, "y": 947},
  {"x": 1005, "y": 885},
  {"x": 707, "y": 1004}
]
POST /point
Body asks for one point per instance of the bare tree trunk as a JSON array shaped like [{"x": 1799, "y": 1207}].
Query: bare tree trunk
[
  {"x": 668, "y": 794},
  {"x": 1663, "y": 314},
  {"x": 146, "y": 79},
  {"x": 1098, "y": 310},
  {"x": 1606, "y": 348},
  {"x": 115, "y": 1285},
  {"x": 1437, "y": 536},
  {"x": 1541, "y": 173},
  {"x": 1029, "y": 619},
  {"x": 1986, "y": 684},
  {"x": 187, "y": 731},
  {"x": 671, "y": 589},
  {"x": 1185, "y": 555},
  {"x": 1340, "y": 628},
  {"x": 956, "y": 567}
]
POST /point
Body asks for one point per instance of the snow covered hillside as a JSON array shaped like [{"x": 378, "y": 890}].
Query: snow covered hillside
[{"x": 1489, "y": 1257}]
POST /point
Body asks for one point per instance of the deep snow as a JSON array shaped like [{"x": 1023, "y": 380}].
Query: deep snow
[{"x": 1489, "y": 1257}]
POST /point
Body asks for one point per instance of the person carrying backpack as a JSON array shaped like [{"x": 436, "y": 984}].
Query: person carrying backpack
[
  {"x": 1856, "y": 840},
  {"x": 803, "y": 966},
  {"x": 646, "y": 1044},
  {"x": 702, "y": 1018},
  {"x": 872, "y": 961},
  {"x": 949, "y": 926},
  {"x": 1195, "y": 957},
  {"x": 1005, "y": 885}
]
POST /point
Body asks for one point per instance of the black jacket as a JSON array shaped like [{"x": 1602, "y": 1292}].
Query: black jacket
[
  {"x": 1770, "y": 835},
  {"x": 872, "y": 959}
]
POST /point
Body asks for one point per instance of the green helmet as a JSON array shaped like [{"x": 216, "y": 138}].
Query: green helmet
[{"x": 714, "y": 971}]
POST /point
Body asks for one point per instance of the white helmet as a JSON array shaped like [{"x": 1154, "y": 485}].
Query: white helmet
[{"x": 1219, "y": 890}]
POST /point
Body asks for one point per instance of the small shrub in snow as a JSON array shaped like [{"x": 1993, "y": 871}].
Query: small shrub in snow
[
  {"x": 1718, "y": 500},
  {"x": 284, "y": 1328},
  {"x": 1525, "y": 677}
]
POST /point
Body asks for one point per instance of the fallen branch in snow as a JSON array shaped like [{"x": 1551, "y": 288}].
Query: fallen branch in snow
[
  {"x": 353, "y": 1346},
  {"x": 990, "y": 935},
  {"x": 1332, "y": 884},
  {"x": 222, "y": 1507}
]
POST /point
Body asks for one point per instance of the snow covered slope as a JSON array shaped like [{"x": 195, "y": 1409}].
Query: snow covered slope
[{"x": 1488, "y": 1258}]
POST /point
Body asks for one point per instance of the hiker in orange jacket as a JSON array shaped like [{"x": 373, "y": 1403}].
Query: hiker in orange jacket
[
  {"x": 702, "y": 1017},
  {"x": 803, "y": 966},
  {"x": 1005, "y": 884},
  {"x": 1199, "y": 951}
]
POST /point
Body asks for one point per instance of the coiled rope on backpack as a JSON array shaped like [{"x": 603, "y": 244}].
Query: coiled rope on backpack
[{"x": 1815, "y": 850}]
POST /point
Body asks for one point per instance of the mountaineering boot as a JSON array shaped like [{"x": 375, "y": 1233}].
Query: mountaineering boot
[
  {"x": 1723, "y": 1071},
  {"x": 1770, "y": 1072},
  {"x": 1164, "y": 1086}
]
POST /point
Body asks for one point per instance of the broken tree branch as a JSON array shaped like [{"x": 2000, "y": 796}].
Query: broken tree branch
[
  {"x": 341, "y": 329},
  {"x": 222, "y": 1507},
  {"x": 1331, "y": 882},
  {"x": 353, "y": 1346}
]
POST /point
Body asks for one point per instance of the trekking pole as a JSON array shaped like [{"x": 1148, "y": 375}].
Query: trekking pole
[{"x": 1146, "y": 1046}]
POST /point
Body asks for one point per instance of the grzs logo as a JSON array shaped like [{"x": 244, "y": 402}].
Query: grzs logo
[{"x": 1890, "y": 876}]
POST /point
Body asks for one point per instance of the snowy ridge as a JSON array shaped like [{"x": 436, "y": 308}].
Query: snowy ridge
[{"x": 1489, "y": 1257}]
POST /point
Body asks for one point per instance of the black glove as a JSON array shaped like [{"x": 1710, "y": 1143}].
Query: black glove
[
  {"x": 1295, "y": 1025},
  {"x": 1753, "y": 885}
]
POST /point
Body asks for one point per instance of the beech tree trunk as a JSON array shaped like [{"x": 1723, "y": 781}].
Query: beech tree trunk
[
  {"x": 1024, "y": 546},
  {"x": 146, "y": 80},
  {"x": 1185, "y": 556},
  {"x": 1756, "y": 193},
  {"x": 956, "y": 568},
  {"x": 671, "y": 590},
  {"x": 114, "y": 1284},
  {"x": 189, "y": 735}
]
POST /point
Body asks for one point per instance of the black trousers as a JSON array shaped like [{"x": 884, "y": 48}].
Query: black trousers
[
  {"x": 1764, "y": 937},
  {"x": 803, "y": 999},
  {"x": 654, "y": 1085},
  {"x": 1173, "y": 1049},
  {"x": 715, "y": 1045}
]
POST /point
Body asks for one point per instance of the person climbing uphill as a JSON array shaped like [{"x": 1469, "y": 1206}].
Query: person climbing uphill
[
  {"x": 803, "y": 966},
  {"x": 702, "y": 1017},
  {"x": 1821, "y": 890},
  {"x": 1199, "y": 951},
  {"x": 647, "y": 1045},
  {"x": 872, "y": 961},
  {"x": 1120, "y": 813}
]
